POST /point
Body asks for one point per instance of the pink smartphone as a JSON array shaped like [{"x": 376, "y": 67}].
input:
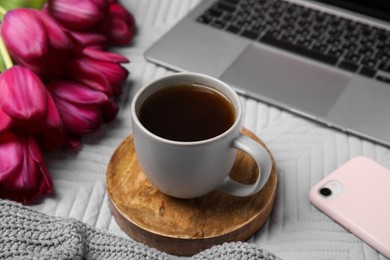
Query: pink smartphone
[{"x": 357, "y": 196}]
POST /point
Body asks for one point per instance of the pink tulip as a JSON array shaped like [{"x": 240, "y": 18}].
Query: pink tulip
[
  {"x": 79, "y": 106},
  {"x": 36, "y": 40},
  {"x": 102, "y": 73},
  {"x": 23, "y": 174},
  {"x": 78, "y": 14},
  {"x": 25, "y": 104},
  {"x": 83, "y": 17},
  {"x": 24, "y": 96},
  {"x": 118, "y": 26}
]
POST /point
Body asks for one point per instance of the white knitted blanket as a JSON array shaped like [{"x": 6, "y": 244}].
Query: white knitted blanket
[{"x": 28, "y": 234}]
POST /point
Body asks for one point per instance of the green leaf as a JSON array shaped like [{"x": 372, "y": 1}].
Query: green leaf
[{"x": 12, "y": 4}]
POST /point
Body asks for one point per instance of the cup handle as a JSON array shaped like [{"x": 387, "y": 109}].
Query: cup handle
[{"x": 264, "y": 164}]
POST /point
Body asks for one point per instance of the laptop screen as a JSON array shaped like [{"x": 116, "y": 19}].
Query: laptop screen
[{"x": 376, "y": 8}]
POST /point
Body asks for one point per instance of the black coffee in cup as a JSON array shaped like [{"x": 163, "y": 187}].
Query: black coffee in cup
[{"x": 187, "y": 113}]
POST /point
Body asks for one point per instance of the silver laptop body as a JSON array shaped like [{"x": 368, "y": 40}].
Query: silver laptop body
[{"x": 341, "y": 98}]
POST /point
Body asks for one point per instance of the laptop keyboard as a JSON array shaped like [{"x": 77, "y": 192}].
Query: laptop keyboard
[{"x": 337, "y": 41}]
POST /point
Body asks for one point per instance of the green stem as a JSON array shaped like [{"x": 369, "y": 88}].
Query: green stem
[
  {"x": 2, "y": 12},
  {"x": 5, "y": 55}
]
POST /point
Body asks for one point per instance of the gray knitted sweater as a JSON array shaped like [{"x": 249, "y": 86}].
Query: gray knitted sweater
[{"x": 28, "y": 234}]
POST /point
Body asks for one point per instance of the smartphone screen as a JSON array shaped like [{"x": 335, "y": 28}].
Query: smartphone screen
[{"x": 357, "y": 196}]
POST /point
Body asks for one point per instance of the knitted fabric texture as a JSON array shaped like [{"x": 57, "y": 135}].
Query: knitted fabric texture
[{"x": 28, "y": 234}]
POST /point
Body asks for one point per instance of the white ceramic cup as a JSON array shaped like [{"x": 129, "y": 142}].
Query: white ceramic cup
[{"x": 193, "y": 169}]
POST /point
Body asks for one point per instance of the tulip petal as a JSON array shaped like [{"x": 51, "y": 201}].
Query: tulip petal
[
  {"x": 10, "y": 159},
  {"x": 75, "y": 92},
  {"x": 53, "y": 118},
  {"x": 50, "y": 134},
  {"x": 104, "y": 56},
  {"x": 89, "y": 39},
  {"x": 80, "y": 119},
  {"x": 113, "y": 71},
  {"x": 58, "y": 38},
  {"x": 24, "y": 96},
  {"x": 5, "y": 121},
  {"x": 82, "y": 72},
  {"x": 61, "y": 48},
  {"x": 30, "y": 172},
  {"x": 42, "y": 173}
]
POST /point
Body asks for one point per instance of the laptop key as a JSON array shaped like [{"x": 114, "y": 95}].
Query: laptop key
[
  {"x": 233, "y": 28},
  {"x": 251, "y": 34},
  {"x": 205, "y": 19},
  {"x": 226, "y": 7},
  {"x": 348, "y": 65},
  {"x": 215, "y": 12},
  {"x": 218, "y": 24},
  {"x": 383, "y": 79},
  {"x": 385, "y": 67},
  {"x": 366, "y": 71},
  {"x": 353, "y": 57}
]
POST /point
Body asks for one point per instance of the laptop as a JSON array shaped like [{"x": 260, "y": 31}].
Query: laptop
[{"x": 327, "y": 60}]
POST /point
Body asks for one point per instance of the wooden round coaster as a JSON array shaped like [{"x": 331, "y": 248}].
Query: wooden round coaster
[{"x": 185, "y": 226}]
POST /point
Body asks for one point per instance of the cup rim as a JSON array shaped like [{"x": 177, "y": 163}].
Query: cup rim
[{"x": 237, "y": 106}]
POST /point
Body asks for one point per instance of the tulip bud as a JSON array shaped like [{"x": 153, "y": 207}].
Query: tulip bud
[
  {"x": 118, "y": 26},
  {"x": 83, "y": 110},
  {"x": 98, "y": 73},
  {"x": 79, "y": 106},
  {"x": 25, "y": 104},
  {"x": 36, "y": 40},
  {"x": 24, "y": 97},
  {"x": 78, "y": 14},
  {"x": 23, "y": 174}
]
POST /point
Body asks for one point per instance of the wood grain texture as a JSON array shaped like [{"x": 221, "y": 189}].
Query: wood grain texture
[{"x": 185, "y": 226}]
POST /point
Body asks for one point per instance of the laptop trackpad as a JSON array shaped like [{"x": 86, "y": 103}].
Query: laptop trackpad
[{"x": 285, "y": 80}]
